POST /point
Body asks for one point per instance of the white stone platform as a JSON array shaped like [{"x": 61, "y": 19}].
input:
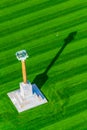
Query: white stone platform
[{"x": 27, "y": 97}]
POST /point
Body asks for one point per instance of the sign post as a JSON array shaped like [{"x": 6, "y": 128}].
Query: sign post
[{"x": 29, "y": 95}]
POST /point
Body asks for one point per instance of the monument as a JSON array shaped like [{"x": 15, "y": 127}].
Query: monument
[{"x": 29, "y": 95}]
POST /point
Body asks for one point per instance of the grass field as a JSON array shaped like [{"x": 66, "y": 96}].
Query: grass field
[{"x": 54, "y": 33}]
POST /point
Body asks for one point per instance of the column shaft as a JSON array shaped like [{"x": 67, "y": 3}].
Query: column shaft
[{"x": 24, "y": 72}]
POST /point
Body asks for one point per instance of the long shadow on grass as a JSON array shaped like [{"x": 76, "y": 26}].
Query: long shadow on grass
[{"x": 43, "y": 77}]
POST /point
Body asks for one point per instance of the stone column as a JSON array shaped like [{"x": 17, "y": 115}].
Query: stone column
[{"x": 24, "y": 71}]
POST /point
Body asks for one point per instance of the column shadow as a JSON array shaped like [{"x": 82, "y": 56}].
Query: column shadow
[{"x": 41, "y": 78}]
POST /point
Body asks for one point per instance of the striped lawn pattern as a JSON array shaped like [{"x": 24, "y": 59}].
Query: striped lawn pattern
[{"x": 40, "y": 27}]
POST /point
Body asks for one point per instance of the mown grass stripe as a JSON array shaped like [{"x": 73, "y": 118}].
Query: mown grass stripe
[
  {"x": 53, "y": 11},
  {"x": 6, "y": 4},
  {"x": 51, "y": 24},
  {"x": 19, "y": 27},
  {"x": 48, "y": 40},
  {"x": 45, "y": 63},
  {"x": 71, "y": 73},
  {"x": 79, "y": 94},
  {"x": 68, "y": 65},
  {"x": 47, "y": 31},
  {"x": 74, "y": 107},
  {"x": 62, "y": 59},
  {"x": 11, "y": 59},
  {"x": 17, "y": 5},
  {"x": 69, "y": 123},
  {"x": 79, "y": 126},
  {"x": 61, "y": 76},
  {"x": 76, "y": 53},
  {"x": 30, "y": 10},
  {"x": 8, "y": 11},
  {"x": 35, "y": 42},
  {"x": 58, "y": 116},
  {"x": 72, "y": 55},
  {"x": 14, "y": 39},
  {"x": 72, "y": 81}
]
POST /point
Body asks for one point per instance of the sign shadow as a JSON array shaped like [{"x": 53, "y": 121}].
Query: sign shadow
[{"x": 41, "y": 78}]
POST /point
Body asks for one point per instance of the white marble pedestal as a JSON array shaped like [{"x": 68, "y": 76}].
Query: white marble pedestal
[{"x": 27, "y": 97}]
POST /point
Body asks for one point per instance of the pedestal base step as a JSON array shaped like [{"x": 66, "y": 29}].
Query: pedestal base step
[{"x": 23, "y": 104}]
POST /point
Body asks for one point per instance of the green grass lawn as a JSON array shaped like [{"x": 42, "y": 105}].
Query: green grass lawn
[{"x": 57, "y": 62}]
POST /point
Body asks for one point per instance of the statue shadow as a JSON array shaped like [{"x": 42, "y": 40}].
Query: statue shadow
[{"x": 41, "y": 78}]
